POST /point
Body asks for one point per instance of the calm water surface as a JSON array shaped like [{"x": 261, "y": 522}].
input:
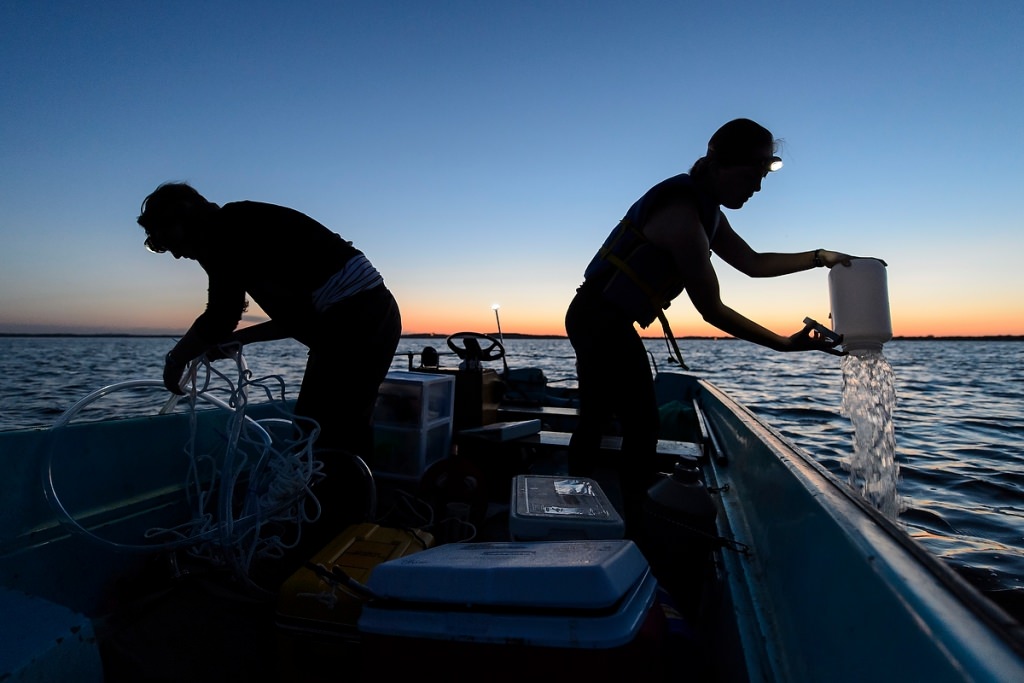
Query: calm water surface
[{"x": 959, "y": 418}]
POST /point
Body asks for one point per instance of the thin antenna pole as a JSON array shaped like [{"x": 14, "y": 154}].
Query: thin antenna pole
[{"x": 495, "y": 307}]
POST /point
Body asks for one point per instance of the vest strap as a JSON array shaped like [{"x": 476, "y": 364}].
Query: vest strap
[
  {"x": 607, "y": 253},
  {"x": 671, "y": 339}
]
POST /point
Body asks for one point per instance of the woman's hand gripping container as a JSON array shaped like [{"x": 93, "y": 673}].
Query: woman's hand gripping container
[
  {"x": 583, "y": 610},
  {"x": 412, "y": 423}
]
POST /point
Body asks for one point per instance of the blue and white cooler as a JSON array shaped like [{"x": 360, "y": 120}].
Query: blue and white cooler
[{"x": 502, "y": 611}]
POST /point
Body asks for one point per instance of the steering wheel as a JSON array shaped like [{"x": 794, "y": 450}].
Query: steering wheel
[{"x": 471, "y": 349}]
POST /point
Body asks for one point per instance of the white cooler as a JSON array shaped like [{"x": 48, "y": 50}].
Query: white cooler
[{"x": 509, "y": 605}]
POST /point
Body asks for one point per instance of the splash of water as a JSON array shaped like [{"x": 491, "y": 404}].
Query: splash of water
[{"x": 869, "y": 398}]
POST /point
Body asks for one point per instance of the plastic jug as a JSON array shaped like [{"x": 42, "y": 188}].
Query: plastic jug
[
  {"x": 859, "y": 297},
  {"x": 679, "y": 533},
  {"x": 682, "y": 496}
]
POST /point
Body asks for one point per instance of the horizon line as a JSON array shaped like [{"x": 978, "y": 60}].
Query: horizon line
[{"x": 521, "y": 335}]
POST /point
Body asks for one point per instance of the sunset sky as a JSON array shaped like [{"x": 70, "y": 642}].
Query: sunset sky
[{"x": 479, "y": 152}]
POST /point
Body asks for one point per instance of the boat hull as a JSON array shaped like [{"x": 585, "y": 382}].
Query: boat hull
[
  {"x": 821, "y": 585},
  {"x": 807, "y": 581}
]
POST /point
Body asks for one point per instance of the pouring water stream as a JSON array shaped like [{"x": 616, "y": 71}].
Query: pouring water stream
[
  {"x": 859, "y": 299},
  {"x": 869, "y": 398}
]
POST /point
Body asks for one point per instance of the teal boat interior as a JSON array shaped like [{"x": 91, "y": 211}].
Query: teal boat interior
[{"x": 175, "y": 547}]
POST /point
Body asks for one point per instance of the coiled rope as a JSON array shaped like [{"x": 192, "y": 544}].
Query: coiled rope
[{"x": 245, "y": 493}]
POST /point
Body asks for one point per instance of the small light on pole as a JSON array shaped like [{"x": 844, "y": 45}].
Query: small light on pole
[{"x": 495, "y": 308}]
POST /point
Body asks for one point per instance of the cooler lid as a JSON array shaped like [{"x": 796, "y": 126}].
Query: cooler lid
[{"x": 592, "y": 574}]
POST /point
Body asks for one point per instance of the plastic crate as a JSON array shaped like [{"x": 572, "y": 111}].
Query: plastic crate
[
  {"x": 412, "y": 423},
  {"x": 407, "y": 453},
  {"x": 414, "y": 399}
]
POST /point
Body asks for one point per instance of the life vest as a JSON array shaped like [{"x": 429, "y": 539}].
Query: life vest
[{"x": 632, "y": 273}]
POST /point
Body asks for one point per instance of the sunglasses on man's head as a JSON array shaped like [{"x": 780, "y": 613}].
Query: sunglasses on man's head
[{"x": 153, "y": 246}]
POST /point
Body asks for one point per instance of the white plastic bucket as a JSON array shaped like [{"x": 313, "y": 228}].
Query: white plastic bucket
[{"x": 859, "y": 297}]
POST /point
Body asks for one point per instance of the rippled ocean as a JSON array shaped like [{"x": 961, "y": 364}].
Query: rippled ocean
[{"x": 958, "y": 418}]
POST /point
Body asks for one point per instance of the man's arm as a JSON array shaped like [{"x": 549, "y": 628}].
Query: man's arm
[
  {"x": 261, "y": 332},
  {"x": 224, "y": 304}
]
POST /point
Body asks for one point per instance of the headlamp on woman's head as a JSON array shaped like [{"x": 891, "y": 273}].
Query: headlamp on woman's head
[
  {"x": 745, "y": 158},
  {"x": 766, "y": 164}
]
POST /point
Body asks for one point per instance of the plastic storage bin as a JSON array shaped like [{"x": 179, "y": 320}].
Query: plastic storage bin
[
  {"x": 412, "y": 423},
  {"x": 549, "y": 508}
]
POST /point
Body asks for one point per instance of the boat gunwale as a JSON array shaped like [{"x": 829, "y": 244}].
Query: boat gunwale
[{"x": 878, "y": 528}]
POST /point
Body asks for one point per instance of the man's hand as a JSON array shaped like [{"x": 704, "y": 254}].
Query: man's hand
[
  {"x": 222, "y": 351},
  {"x": 173, "y": 371}
]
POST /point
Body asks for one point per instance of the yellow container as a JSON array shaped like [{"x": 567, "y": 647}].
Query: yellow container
[{"x": 317, "y": 613}]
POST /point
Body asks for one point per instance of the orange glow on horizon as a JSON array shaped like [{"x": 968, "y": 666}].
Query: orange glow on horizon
[
  {"x": 979, "y": 324},
  {"x": 957, "y": 319},
  {"x": 969, "y": 323}
]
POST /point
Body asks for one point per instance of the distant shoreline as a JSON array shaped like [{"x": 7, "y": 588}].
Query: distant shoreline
[{"x": 506, "y": 335}]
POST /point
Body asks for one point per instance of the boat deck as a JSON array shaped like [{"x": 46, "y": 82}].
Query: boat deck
[
  {"x": 745, "y": 582},
  {"x": 220, "y": 631}
]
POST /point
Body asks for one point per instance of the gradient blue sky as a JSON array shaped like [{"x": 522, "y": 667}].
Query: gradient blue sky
[{"x": 479, "y": 152}]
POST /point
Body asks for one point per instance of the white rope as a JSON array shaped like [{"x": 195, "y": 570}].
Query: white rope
[
  {"x": 247, "y": 492},
  {"x": 277, "y": 476}
]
